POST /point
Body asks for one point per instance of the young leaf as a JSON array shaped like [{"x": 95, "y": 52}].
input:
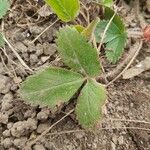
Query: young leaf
[
  {"x": 77, "y": 53},
  {"x": 51, "y": 87},
  {"x": 79, "y": 28},
  {"x": 2, "y": 42},
  {"x": 4, "y": 5},
  {"x": 115, "y": 40},
  {"x": 66, "y": 10},
  {"x": 88, "y": 32},
  {"x": 90, "y": 101}
]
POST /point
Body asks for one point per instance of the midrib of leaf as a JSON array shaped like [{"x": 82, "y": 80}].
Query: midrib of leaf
[
  {"x": 55, "y": 86},
  {"x": 118, "y": 31},
  {"x": 76, "y": 55},
  {"x": 93, "y": 92},
  {"x": 117, "y": 28},
  {"x": 89, "y": 103},
  {"x": 115, "y": 37},
  {"x": 113, "y": 24}
]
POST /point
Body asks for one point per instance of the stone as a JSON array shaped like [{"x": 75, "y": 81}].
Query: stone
[
  {"x": 4, "y": 84},
  {"x": 49, "y": 49},
  {"x": 3, "y": 118},
  {"x": 42, "y": 127},
  {"x": 38, "y": 147}
]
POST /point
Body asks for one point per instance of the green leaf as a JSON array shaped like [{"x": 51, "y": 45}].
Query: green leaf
[
  {"x": 115, "y": 37},
  {"x": 2, "y": 42},
  {"x": 4, "y": 6},
  {"x": 88, "y": 32},
  {"x": 79, "y": 28},
  {"x": 117, "y": 19},
  {"x": 51, "y": 87},
  {"x": 77, "y": 53},
  {"x": 90, "y": 102},
  {"x": 115, "y": 48},
  {"x": 115, "y": 40},
  {"x": 108, "y": 3},
  {"x": 66, "y": 10}
]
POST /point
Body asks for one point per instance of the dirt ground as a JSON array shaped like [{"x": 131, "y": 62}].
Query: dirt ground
[{"x": 126, "y": 116}]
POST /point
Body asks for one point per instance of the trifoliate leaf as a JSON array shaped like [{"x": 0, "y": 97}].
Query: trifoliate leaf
[
  {"x": 2, "y": 42},
  {"x": 51, "y": 87},
  {"x": 115, "y": 37},
  {"x": 90, "y": 102},
  {"x": 77, "y": 53},
  {"x": 4, "y": 6},
  {"x": 115, "y": 40},
  {"x": 66, "y": 10}
]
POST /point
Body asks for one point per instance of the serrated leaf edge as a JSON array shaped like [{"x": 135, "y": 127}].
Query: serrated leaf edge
[
  {"x": 41, "y": 103},
  {"x": 93, "y": 127}
]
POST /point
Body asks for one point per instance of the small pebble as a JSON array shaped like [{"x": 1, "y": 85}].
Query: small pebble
[
  {"x": 30, "y": 114},
  {"x": 49, "y": 49},
  {"x": 120, "y": 140},
  {"x": 38, "y": 147},
  {"x": 22, "y": 128},
  {"x": 44, "y": 11},
  {"x": 4, "y": 84},
  {"x": 9, "y": 125},
  {"x": 3, "y": 118},
  {"x": 6, "y": 133},
  {"x": 20, "y": 47},
  {"x": 39, "y": 49},
  {"x": 43, "y": 115},
  {"x": 33, "y": 59},
  {"x": 17, "y": 80},
  {"x": 79, "y": 135},
  {"x": 20, "y": 143},
  {"x": 7, "y": 143},
  {"x": 42, "y": 127},
  {"x": 44, "y": 58},
  {"x": 7, "y": 102}
]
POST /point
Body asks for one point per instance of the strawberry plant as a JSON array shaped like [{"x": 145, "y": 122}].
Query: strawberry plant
[{"x": 54, "y": 86}]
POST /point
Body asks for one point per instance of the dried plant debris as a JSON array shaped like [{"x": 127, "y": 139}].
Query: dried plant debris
[{"x": 138, "y": 69}]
